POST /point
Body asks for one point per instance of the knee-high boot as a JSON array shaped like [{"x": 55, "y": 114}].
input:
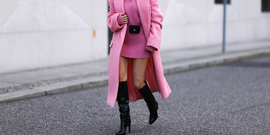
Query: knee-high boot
[
  {"x": 123, "y": 103},
  {"x": 151, "y": 103}
]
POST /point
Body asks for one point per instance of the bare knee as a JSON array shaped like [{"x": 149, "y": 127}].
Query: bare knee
[
  {"x": 138, "y": 83},
  {"x": 122, "y": 77}
]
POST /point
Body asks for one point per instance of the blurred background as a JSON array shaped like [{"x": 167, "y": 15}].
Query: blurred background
[{"x": 46, "y": 33}]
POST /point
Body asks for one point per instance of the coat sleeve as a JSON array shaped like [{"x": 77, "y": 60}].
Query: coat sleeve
[
  {"x": 154, "y": 38},
  {"x": 113, "y": 23}
]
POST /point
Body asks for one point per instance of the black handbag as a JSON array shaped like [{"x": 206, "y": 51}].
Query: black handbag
[{"x": 134, "y": 29}]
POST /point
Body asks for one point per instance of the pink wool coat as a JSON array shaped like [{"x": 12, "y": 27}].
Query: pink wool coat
[{"x": 151, "y": 18}]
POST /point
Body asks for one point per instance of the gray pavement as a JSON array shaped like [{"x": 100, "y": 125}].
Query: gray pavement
[
  {"x": 40, "y": 82},
  {"x": 228, "y": 99}
]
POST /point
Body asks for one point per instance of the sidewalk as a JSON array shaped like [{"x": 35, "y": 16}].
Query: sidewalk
[{"x": 21, "y": 85}]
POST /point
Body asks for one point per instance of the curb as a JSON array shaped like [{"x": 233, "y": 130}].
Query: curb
[
  {"x": 217, "y": 60},
  {"x": 103, "y": 80},
  {"x": 55, "y": 89}
]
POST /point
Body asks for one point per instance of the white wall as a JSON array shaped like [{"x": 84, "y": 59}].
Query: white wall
[
  {"x": 193, "y": 23},
  {"x": 44, "y": 33}
]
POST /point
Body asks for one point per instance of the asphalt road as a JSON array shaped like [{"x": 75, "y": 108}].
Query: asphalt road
[{"x": 231, "y": 99}]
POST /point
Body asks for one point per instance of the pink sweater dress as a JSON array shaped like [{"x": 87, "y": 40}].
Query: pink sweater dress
[{"x": 134, "y": 44}]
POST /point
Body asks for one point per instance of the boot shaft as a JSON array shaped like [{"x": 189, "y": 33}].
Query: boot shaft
[
  {"x": 150, "y": 102},
  {"x": 123, "y": 103}
]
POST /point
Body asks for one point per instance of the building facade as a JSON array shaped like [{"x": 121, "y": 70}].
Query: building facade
[{"x": 46, "y": 33}]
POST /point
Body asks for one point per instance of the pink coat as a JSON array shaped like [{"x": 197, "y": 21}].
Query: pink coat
[{"x": 151, "y": 18}]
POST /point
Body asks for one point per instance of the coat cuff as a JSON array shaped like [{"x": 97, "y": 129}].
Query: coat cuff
[
  {"x": 151, "y": 48},
  {"x": 120, "y": 21}
]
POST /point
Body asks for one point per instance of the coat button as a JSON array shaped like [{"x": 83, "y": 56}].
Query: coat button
[{"x": 134, "y": 30}]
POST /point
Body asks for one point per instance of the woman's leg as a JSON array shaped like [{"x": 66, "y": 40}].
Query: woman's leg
[
  {"x": 123, "y": 67},
  {"x": 122, "y": 97},
  {"x": 139, "y": 67}
]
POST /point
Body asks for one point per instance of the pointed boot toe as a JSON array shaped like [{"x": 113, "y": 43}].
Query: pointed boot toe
[{"x": 150, "y": 102}]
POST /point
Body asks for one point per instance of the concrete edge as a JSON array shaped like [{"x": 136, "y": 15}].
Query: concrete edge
[
  {"x": 103, "y": 80},
  {"x": 52, "y": 89},
  {"x": 14, "y": 96},
  {"x": 32, "y": 85},
  {"x": 207, "y": 62}
]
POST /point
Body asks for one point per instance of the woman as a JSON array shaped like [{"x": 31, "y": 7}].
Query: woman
[{"x": 135, "y": 68}]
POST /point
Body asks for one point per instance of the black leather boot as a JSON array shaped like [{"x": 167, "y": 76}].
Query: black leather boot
[
  {"x": 151, "y": 103},
  {"x": 123, "y": 101}
]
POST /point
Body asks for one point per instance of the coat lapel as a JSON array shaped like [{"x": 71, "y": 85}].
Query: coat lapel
[
  {"x": 144, "y": 13},
  {"x": 119, "y": 6},
  {"x": 143, "y": 8}
]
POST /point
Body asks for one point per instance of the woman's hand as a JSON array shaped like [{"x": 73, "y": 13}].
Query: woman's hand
[{"x": 124, "y": 18}]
